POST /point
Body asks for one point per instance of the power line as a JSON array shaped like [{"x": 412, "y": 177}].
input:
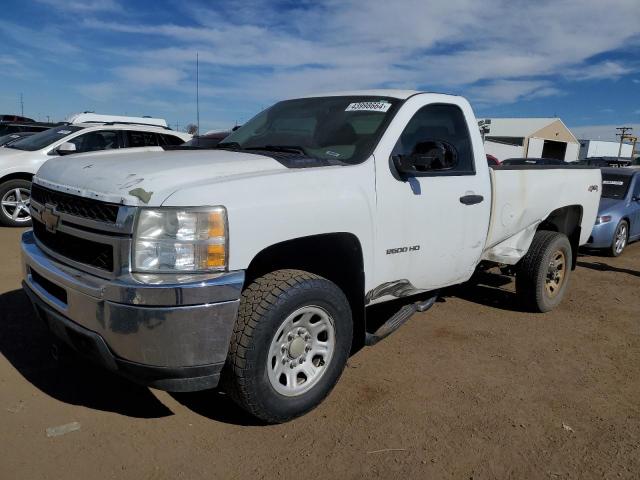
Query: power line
[{"x": 623, "y": 135}]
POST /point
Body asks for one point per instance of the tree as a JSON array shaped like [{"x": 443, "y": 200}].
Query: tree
[{"x": 192, "y": 129}]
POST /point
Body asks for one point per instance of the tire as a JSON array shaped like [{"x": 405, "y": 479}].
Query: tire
[
  {"x": 620, "y": 239},
  {"x": 262, "y": 341},
  {"x": 10, "y": 200},
  {"x": 543, "y": 273}
]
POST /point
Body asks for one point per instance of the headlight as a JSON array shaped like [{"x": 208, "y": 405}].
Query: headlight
[
  {"x": 180, "y": 240},
  {"x": 603, "y": 219}
]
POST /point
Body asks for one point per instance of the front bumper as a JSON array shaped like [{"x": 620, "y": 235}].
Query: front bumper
[{"x": 171, "y": 332}]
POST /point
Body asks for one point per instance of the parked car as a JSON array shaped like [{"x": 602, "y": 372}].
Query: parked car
[
  {"x": 605, "y": 162},
  {"x": 618, "y": 221},
  {"x": 262, "y": 256},
  {"x": 21, "y": 159},
  {"x": 208, "y": 140},
  {"x": 15, "y": 118},
  {"x": 492, "y": 160},
  {"x": 12, "y": 127},
  {"x": 533, "y": 161},
  {"x": 12, "y": 137}
]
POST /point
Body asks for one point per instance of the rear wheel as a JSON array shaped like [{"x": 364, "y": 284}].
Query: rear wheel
[
  {"x": 543, "y": 273},
  {"x": 15, "y": 198},
  {"x": 290, "y": 344},
  {"x": 620, "y": 238}
]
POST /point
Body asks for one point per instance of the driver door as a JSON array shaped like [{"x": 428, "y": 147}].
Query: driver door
[{"x": 434, "y": 221}]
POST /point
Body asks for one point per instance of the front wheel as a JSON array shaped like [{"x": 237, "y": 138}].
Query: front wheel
[
  {"x": 15, "y": 197},
  {"x": 620, "y": 238},
  {"x": 543, "y": 273},
  {"x": 290, "y": 344}
]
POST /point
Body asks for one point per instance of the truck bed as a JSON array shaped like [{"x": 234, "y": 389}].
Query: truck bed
[{"x": 524, "y": 195}]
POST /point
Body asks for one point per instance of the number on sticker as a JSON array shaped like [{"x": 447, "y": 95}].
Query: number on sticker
[{"x": 368, "y": 107}]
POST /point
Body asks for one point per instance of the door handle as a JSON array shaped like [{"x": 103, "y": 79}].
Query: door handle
[{"x": 471, "y": 199}]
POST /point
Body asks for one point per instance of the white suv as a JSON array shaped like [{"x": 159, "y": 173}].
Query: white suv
[{"x": 21, "y": 160}]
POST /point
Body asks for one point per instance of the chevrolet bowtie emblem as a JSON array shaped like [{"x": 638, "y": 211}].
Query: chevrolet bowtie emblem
[{"x": 50, "y": 218}]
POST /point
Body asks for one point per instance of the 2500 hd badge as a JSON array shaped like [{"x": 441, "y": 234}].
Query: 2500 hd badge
[{"x": 413, "y": 248}]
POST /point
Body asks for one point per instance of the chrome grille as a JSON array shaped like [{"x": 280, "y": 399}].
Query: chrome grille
[
  {"x": 90, "y": 235},
  {"x": 74, "y": 205}
]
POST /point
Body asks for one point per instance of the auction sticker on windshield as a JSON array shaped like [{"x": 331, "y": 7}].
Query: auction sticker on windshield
[{"x": 368, "y": 107}]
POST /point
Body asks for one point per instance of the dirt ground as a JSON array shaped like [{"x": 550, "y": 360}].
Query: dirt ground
[{"x": 473, "y": 388}]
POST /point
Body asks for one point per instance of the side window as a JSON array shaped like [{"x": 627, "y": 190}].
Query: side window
[
  {"x": 142, "y": 139},
  {"x": 170, "y": 139},
  {"x": 94, "y": 141},
  {"x": 438, "y": 138}
]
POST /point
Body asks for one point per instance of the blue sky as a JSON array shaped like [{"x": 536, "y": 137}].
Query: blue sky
[{"x": 576, "y": 59}]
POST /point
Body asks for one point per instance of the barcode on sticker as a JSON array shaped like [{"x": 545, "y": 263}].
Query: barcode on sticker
[
  {"x": 612, "y": 182},
  {"x": 368, "y": 107}
]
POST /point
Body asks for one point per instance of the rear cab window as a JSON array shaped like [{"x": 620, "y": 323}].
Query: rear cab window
[{"x": 615, "y": 186}]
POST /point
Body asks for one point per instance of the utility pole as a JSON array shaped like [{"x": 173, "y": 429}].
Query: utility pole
[
  {"x": 21, "y": 106},
  {"x": 623, "y": 136},
  {"x": 197, "y": 93},
  {"x": 48, "y": 119}
]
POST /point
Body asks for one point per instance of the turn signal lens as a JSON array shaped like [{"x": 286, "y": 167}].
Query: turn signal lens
[
  {"x": 603, "y": 219},
  {"x": 216, "y": 256}
]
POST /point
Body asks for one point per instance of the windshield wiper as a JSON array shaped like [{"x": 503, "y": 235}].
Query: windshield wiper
[{"x": 280, "y": 148}]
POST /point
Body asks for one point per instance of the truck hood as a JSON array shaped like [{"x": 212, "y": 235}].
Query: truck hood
[{"x": 148, "y": 178}]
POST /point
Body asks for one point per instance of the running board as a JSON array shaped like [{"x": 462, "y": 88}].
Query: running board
[{"x": 397, "y": 320}]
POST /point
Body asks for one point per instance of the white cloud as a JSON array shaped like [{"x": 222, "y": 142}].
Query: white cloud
[
  {"x": 507, "y": 91},
  {"x": 602, "y": 132},
  {"x": 499, "y": 51},
  {"x": 100, "y": 92},
  {"x": 151, "y": 76},
  {"x": 83, "y": 6}
]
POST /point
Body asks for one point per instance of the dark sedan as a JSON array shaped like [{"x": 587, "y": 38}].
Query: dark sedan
[
  {"x": 12, "y": 137},
  {"x": 618, "y": 221}
]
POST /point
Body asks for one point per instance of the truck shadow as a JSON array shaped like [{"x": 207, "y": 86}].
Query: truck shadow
[
  {"x": 216, "y": 405},
  {"x": 604, "y": 267},
  {"x": 486, "y": 288},
  {"x": 26, "y": 344}
]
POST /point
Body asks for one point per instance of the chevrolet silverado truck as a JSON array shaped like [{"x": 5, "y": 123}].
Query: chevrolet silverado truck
[{"x": 254, "y": 265}]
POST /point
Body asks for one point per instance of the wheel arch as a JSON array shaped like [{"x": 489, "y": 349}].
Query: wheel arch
[
  {"x": 335, "y": 256},
  {"x": 566, "y": 220},
  {"x": 17, "y": 176}
]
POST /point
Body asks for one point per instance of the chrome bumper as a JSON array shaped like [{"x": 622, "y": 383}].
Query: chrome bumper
[{"x": 169, "y": 323}]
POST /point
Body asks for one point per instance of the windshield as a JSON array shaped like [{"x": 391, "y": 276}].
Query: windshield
[
  {"x": 342, "y": 129},
  {"x": 615, "y": 186},
  {"x": 44, "y": 139}
]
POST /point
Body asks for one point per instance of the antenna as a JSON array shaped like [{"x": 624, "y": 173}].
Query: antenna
[{"x": 198, "y": 93}]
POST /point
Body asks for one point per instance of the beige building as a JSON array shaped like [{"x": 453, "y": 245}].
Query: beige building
[{"x": 531, "y": 138}]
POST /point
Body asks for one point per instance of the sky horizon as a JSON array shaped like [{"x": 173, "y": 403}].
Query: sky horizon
[{"x": 578, "y": 60}]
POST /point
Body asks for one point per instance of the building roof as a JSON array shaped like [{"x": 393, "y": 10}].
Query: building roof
[{"x": 517, "y": 127}]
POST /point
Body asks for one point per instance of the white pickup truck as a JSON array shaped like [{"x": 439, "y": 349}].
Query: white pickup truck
[{"x": 254, "y": 264}]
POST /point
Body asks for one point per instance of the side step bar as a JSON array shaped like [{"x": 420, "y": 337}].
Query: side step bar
[{"x": 397, "y": 320}]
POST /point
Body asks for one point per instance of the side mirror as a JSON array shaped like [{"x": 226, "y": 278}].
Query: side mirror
[
  {"x": 428, "y": 156},
  {"x": 66, "y": 148}
]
